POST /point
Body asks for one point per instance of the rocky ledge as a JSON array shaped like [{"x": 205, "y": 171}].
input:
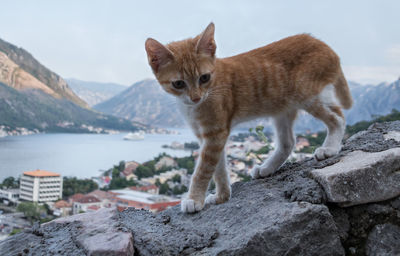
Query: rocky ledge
[{"x": 348, "y": 204}]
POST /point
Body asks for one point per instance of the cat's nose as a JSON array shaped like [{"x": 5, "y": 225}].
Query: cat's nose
[{"x": 196, "y": 100}]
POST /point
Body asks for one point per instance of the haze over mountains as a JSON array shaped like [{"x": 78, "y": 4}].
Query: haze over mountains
[
  {"x": 94, "y": 92},
  {"x": 146, "y": 102},
  {"x": 34, "y": 97}
]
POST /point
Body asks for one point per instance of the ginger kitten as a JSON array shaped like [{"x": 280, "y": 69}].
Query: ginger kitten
[{"x": 277, "y": 80}]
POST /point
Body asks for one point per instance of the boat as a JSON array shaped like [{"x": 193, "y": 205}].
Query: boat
[{"x": 134, "y": 136}]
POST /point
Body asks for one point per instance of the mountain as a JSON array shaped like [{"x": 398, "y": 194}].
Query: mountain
[
  {"x": 144, "y": 102},
  {"x": 369, "y": 101},
  {"x": 34, "y": 109},
  {"x": 33, "y": 97},
  {"x": 94, "y": 92},
  {"x": 19, "y": 66}
]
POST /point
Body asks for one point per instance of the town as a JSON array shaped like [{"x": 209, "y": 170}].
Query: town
[{"x": 43, "y": 195}]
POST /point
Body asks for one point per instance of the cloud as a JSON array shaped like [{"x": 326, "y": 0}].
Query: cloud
[{"x": 372, "y": 74}]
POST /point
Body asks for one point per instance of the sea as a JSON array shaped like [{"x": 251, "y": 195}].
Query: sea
[{"x": 82, "y": 155}]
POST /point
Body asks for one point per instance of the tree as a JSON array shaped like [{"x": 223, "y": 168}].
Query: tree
[
  {"x": 143, "y": 171},
  {"x": 115, "y": 173},
  {"x": 121, "y": 182},
  {"x": 31, "y": 211},
  {"x": 164, "y": 188},
  {"x": 10, "y": 182},
  {"x": 176, "y": 178},
  {"x": 73, "y": 185},
  {"x": 186, "y": 163}
]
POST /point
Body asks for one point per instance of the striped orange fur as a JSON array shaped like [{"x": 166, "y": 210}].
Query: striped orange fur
[{"x": 277, "y": 80}]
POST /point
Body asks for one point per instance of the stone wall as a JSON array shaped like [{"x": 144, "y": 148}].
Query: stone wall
[{"x": 348, "y": 204}]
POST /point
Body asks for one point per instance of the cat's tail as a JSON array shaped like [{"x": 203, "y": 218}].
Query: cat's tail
[{"x": 342, "y": 91}]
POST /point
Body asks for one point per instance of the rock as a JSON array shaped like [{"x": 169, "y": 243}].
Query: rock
[
  {"x": 361, "y": 177},
  {"x": 384, "y": 240},
  {"x": 83, "y": 234},
  {"x": 392, "y": 135},
  {"x": 356, "y": 222},
  {"x": 98, "y": 234},
  {"x": 285, "y": 214},
  {"x": 265, "y": 224}
]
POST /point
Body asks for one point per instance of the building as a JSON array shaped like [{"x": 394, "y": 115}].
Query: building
[
  {"x": 85, "y": 204},
  {"x": 152, "y": 189},
  {"x": 11, "y": 195},
  {"x": 165, "y": 161},
  {"x": 129, "y": 171},
  {"x": 41, "y": 186},
  {"x": 125, "y": 198},
  {"x": 62, "y": 208},
  {"x": 301, "y": 143},
  {"x": 75, "y": 197},
  {"x": 163, "y": 177},
  {"x": 105, "y": 197}
]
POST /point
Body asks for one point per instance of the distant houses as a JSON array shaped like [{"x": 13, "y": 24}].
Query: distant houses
[
  {"x": 121, "y": 199},
  {"x": 125, "y": 198},
  {"x": 86, "y": 203},
  {"x": 9, "y": 195}
]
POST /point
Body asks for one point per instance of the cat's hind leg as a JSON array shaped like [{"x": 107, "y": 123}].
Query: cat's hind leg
[
  {"x": 221, "y": 179},
  {"x": 285, "y": 142},
  {"x": 333, "y": 118}
]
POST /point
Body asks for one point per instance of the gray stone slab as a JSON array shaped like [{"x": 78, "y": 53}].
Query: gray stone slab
[{"x": 361, "y": 177}]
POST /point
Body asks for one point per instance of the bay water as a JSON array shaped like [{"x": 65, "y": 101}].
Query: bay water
[{"x": 81, "y": 155}]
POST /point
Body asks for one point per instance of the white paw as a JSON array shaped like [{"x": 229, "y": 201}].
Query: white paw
[
  {"x": 190, "y": 206},
  {"x": 260, "y": 172},
  {"x": 325, "y": 152},
  {"x": 211, "y": 199}
]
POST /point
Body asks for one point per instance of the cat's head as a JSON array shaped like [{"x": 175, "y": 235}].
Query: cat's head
[{"x": 185, "y": 68}]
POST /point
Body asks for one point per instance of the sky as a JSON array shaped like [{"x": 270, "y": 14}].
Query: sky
[{"x": 103, "y": 41}]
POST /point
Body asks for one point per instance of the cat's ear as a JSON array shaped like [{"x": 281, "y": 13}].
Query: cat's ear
[
  {"x": 206, "y": 44},
  {"x": 157, "y": 54}
]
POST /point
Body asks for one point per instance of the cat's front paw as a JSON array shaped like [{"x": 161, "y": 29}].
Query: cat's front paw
[
  {"x": 323, "y": 153},
  {"x": 259, "y": 172},
  {"x": 216, "y": 199},
  {"x": 191, "y": 206}
]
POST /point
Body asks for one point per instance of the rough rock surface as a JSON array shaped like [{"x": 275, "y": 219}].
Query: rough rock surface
[
  {"x": 286, "y": 214},
  {"x": 362, "y": 177},
  {"x": 384, "y": 240}
]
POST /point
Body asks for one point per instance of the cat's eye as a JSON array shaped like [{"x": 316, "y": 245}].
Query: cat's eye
[
  {"x": 179, "y": 84},
  {"x": 204, "y": 78}
]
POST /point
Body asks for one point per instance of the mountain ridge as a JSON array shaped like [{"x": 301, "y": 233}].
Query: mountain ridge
[
  {"x": 94, "y": 92},
  {"x": 29, "y": 64},
  {"x": 144, "y": 102},
  {"x": 135, "y": 103},
  {"x": 34, "y": 97}
]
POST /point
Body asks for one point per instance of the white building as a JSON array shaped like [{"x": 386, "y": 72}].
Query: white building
[
  {"x": 11, "y": 195},
  {"x": 41, "y": 186}
]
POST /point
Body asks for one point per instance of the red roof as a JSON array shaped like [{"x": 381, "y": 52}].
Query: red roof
[
  {"x": 41, "y": 173},
  {"x": 94, "y": 207},
  {"x": 61, "y": 204},
  {"x": 100, "y": 194},
  {"x": 76, "y": 197},
  {"x": 130, "y": 168},
  {"x": 88, "y": 200}
]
